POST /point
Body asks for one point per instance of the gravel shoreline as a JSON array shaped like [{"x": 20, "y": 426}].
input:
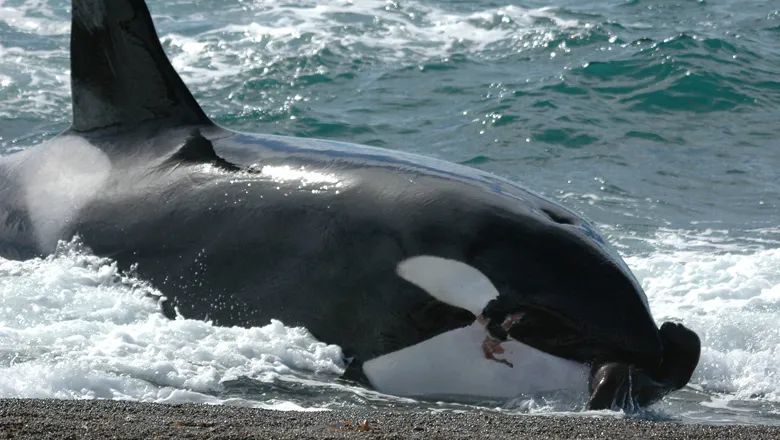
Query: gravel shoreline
[{"x": 99, "y": 419}]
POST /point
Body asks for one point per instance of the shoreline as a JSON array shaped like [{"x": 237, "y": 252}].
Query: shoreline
[{"x": 98, "y": 419}]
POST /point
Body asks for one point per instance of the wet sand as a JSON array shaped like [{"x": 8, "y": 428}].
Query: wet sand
[{"x": 110, "y": 419}]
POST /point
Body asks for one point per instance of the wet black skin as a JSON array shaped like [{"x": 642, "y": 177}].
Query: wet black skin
[
  {"x": 622, "y": 386},
  {"x": 187, "y": 202}
]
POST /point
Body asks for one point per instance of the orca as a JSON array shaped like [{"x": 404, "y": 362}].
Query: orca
[{"x": 435, "y": 279}]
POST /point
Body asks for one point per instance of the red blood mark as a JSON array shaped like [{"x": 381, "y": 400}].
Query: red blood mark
[{"x": 492, "y": 346}]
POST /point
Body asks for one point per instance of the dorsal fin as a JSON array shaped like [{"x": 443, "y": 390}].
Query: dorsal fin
[{"x": 120, "y": 76}]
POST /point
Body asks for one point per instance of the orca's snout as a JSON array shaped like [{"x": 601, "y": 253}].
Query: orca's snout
[{"x": 617, "y": 385}]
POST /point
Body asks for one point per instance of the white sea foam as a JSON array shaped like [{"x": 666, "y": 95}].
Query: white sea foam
[
  {"x": 33, "y": 82},
  {"x": 730, "y": 295},
  {"x": 72, "y": 326},
  {"x": 411, "y": 27},
  {"x": 34, "y": 16},
  {"x": 260, "y": 34}
]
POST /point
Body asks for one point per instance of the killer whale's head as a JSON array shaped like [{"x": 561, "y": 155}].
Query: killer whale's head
[{"x": 549, "y": 280}]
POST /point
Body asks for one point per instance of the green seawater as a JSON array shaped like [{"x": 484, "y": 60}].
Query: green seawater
[{"x": 656, "y": 119}]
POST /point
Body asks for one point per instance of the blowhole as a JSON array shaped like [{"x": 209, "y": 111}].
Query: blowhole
[{"x": 558, "y": 218}]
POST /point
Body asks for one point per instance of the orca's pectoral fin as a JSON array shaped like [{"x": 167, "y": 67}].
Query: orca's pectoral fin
[
  {"x": 620, "y": 386},
  {"x": 120, "y": 75},
  {"x": 611, "y": 387}
]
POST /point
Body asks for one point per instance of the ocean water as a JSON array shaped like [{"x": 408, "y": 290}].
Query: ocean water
[{"x": 657, "y": 120}]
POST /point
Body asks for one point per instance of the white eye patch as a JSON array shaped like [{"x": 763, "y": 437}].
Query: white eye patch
[
  {"x": 450, "y": 281},
  {"x": 454, "y": 363}
]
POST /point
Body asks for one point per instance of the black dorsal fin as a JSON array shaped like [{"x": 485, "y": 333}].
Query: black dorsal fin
[{"x": 120, "y": 76}]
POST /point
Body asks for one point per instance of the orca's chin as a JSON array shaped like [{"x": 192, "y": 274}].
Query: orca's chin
[{"x": 620, "y": 386}]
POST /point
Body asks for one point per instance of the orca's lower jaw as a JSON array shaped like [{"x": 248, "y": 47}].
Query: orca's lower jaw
[{"x": 621, "y": 386}]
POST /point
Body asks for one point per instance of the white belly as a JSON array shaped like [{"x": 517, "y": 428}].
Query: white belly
[{"x": 453, "y": 364}]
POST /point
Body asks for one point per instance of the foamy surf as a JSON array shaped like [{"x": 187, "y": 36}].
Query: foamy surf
[
  {"x": 730, "y": 295},
  {"x": 72, "y": 326}
]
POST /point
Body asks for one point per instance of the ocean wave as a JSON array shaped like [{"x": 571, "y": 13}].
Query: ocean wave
[
  {"x": 282, "y": 45},
  {"x": 683, "y": 73},
  {"x": 34, "y": 16},
  {"x": 276, "y": 65}
]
